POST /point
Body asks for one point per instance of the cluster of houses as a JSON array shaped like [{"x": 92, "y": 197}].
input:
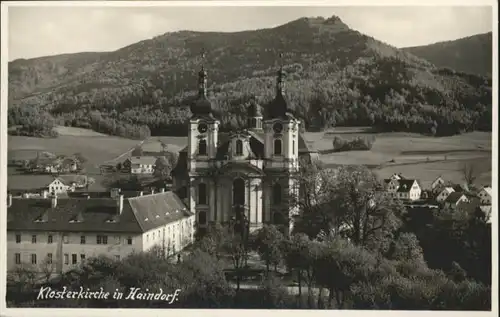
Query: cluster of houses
[
  {"x": 440, "y": 193},
  {"x": 49, "y": 164}
]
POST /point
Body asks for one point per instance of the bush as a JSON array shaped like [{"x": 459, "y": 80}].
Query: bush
[{"x": 356, "y": 144}]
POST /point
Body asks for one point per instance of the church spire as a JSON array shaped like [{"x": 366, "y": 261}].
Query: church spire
[{"x": 202, "y": 78}]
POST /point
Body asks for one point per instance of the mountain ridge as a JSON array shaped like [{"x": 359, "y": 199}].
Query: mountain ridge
[
  {"x": 335, "y": 76},
  {"x": 471, "y": 54}
]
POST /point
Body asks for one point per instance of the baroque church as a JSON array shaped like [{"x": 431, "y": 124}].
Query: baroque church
[{"x": 243, "y": 177}]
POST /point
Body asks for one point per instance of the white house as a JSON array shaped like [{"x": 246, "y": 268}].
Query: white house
[
  {"x": 485, "y": 195},
  {"x": 444, "y": 194},
  {"x": 406, "y": 189},
  {"x": 57, "y": 234},
  {"x": 142, "y": 164},
  {"x": 59, "y": 186}
]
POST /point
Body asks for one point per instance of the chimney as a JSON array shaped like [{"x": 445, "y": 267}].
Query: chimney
[
  {"x": 9, "y": 200},
  {"x": 162, "y": 190},
  {"x": 54, "y": 201},
  {"x": 119, "y": 204}
]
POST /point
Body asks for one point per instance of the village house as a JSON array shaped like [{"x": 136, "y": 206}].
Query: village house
[
  {"x": 485, "y": 195},
  {"x": 454, "y": 199},
  {"x": 57, "y": 234},
  {"x": 406, "y": 189},
  {"x": 445, "y": 192},
  {"x": 140, "y": 164},
  {"x": 437, "y": 185}
]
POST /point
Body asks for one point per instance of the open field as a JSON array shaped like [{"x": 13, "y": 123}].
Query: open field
[
  {"x": 414, "y": 155},
  {"x": 411, "y": 154},
  {"x": 71, "y": 131}
]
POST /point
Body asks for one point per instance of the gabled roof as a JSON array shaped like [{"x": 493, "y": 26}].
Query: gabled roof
[
  {"x": 488, "y": 190},
  {"x": 69, "y": 179},
  {"x": 405, "y": 185},
  {"x": 152, "y": 211},
  {"x": 95, "y": 214},
  {"x": 143, "y": 160},
  {"x": 454, "y": 197}
]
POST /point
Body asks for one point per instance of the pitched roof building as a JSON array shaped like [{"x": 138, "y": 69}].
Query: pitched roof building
[{"x": 61, "y": 227}]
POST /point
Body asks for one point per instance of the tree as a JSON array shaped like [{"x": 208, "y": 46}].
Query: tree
[
  {"x": 80, "y": 158},
  {"x": 268, "y": 243},
  {"x": 469, "y": 174},
  {"x": 162, "y": 168},
  {"x": 137, "y": 151},
  {"x": 47, "y": 268}
]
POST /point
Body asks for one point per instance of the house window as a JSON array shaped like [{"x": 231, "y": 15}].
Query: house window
[
  {"x": 293, "y": 147},
  {"x": 82, "y": 240},
  {"x": 65, "y": 239},
  {"x": 202, "y": 194},
  {"x": 33, "y": 238},
  {"x": 239, "y": 147},
  {"x": 82, "y": 257},
  {"x": 73, "y": 259},
  {"x": 18, "y": 238},
  {"x": 50, "y": 239},
  {"x": 202, "y": 217},
  {"x": 49, "y": 258},
  {"x": 117, "y": 257},
  {"x": 33, "y": 259},
  {"x": 102, "y": 239},
  {"x": 277, "y": 194},
  {"x": 129, "y": 240},
  {"x": 202, "y": 147},
  {"x": 277, "y": 147},
  {"x": 117, "y": 240},
  {"x": 153, "y": 235},
  {"x": 18, "y": 258},
  {"x": 66, "y": 258}
]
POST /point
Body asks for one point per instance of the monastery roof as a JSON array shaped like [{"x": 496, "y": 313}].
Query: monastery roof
[{"x": 140, "y": 214}]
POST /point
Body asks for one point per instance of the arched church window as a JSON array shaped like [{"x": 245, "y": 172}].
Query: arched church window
[
  {"x": 239, "y": 147},
  {"x": 293, "y": 147},
  {"x": 202, "y": 194},
  {"x": 202, "y": 217},
  {"x": 239, "y": 192},
  {"x": 202, "y": 147},
  {"x": 277, "y": 194},
  {"x": 277, "y": 147}
]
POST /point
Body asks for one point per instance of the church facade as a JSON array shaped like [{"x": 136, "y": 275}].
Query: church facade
[{"x": 243, "y": 177}]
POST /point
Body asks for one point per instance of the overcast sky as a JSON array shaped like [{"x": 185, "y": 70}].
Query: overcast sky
[{"x": 41, "y": 31}]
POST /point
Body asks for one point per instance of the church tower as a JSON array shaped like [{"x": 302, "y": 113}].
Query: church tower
[
  {"x": 281, "y": 138},
  {"x": 203, "y": 126},
  {"x": 202, "y": 148}
]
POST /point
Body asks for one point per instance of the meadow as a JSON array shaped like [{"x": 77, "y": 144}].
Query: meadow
[{"x": 415, "y": 156}]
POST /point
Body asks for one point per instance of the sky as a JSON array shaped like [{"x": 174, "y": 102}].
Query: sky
[{"x": 41, "y": 31}]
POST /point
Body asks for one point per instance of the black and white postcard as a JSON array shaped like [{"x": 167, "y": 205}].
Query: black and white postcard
[{"x": 306, "y": 155}]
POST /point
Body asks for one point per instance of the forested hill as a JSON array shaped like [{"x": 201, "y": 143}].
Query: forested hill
[
  {"x": 335, "y": 76},
  {"x": 471, "y": 54}
]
